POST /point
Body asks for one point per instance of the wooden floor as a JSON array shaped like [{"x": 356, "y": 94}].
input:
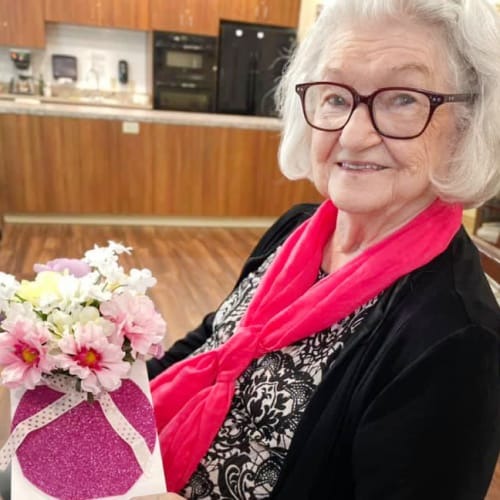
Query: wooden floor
[{"x": 195, "y": 268}]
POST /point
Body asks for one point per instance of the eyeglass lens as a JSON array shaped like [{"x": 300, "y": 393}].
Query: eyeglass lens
[{"x": 397, "y": 113}]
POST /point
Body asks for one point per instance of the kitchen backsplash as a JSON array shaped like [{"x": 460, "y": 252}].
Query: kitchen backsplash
[{"x": 96, "y": 49}]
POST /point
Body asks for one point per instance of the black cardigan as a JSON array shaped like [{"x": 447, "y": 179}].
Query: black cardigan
[{"x": 410, "y": 410}]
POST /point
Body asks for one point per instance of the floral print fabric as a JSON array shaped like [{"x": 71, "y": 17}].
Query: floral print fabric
[{"x": 245, "y": 458}]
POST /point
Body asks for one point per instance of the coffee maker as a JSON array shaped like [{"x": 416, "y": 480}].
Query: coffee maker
[{"x": 23, "y": 82}]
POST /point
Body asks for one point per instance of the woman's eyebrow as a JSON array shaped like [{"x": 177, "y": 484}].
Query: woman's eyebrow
[
  {"x": 411, "y": 67},
  {"x": 333, "y": 72}
]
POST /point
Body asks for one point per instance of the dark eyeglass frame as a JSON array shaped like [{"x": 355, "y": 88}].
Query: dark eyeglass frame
[{"x": 435, "y": 100}]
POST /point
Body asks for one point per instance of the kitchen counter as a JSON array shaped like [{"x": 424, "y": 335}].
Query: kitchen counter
[
  {"x": 77, "y": 160},
  {"x": 29, "y": 105}
]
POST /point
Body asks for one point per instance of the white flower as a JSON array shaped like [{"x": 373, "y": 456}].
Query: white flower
[
  {"x": 118, "y": 248},
  {"x": 18, "y": 311},
  {"x": 86, "y": 319},
  {"x": 64, "y": 323},
  {"x": 92, "y": 289},
  {"x": 8, "y": 288},
  {"x": 139, "y": 280}
]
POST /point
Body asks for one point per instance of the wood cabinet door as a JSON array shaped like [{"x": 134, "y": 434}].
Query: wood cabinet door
[
  {"x": 226, "y": 172},
  {"x": 40, "y": 166},
  {"x": 167, "y": 15},
  {"x": 73, "y": 11},
  {"x": 125, "y": 14},
  {"x": 202, "y": 171},
  {"x": 131, "y": 170},
  {"x": 4, "y": 23},
  {"x": 203, "y": 17},
  {"x": 273, "y": 12},
  {"x": 190, "y": 16},
  {"x": 274, "y": 192},
  {"x": 97, "y": 185},
  {"x": 246, "y": 11},
  {"x": 116, "y": 170},
  {"x": 22, "y": 23},
  {"x": 280, "y": 12}
]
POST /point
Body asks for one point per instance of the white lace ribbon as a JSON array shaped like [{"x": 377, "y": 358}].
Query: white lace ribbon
[{"x": 70, "y": 400}]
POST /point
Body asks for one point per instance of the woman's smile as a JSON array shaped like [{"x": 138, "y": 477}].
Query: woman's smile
[{"x": 352, "y": 166}]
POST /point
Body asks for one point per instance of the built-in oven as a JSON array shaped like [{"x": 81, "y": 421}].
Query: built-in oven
[
  {"x": 185, "y": 72},
  {"x": 184, "y": 96}
]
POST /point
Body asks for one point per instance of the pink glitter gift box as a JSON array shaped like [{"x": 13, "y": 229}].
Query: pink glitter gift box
[{"x": 80, "y": 455}]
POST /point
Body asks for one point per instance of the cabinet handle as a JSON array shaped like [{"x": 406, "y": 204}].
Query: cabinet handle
[
  {"x": 257, "y": 9},
  {"x": 182, "y": 20},
  {"x": 191, "y": 21}
]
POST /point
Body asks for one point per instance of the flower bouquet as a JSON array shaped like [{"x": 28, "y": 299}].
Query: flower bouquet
[{"x": 72, "y": 348}]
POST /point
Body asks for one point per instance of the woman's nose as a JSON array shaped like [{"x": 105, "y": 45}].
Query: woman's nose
[{"x": 359, "y": 132}]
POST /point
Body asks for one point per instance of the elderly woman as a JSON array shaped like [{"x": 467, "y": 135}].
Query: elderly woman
[{"x": 358, "y": 355}]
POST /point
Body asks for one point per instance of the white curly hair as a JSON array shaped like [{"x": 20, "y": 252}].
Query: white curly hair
[{"x": 471, "y": 29}]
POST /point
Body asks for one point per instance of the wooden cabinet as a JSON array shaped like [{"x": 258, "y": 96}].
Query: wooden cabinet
[
  {"x": 185, "y": 16},
  {"x": 21, "y": 23},
  {"x": 39, "y": 164},
  {"x": 204, "y": 170},
  {"x": 274, "y": 12},
  {"x": 203, "y": 16},
  {"x": 188, "y": 16},
  {"x": 73, "y": 11},
  {"x": 212, "y": 171},
  {"x": 114, "y": 168},
  {"x": 127, "y": 14},
  {"x": 52, "y": 165}
]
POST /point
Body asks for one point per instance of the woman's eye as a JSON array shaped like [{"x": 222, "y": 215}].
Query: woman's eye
[
  {"x": 335, "y": 100},
  {"x": 403, "y": 100}
]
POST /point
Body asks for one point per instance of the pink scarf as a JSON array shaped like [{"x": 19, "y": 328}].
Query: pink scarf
[{"x": 192, "y": 398}]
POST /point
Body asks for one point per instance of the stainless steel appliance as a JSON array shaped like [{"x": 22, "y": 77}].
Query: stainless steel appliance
[
  {"x": 251, "y": 62},
  {"x": 64, "y": 67},
  {"x": 22, "y": 82},
  {"x": 184, "y": 72}
]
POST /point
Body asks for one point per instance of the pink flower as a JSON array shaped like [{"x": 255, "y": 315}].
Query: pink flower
[
  {"x": 75, "y": 267},
  {"x": 90, "y": 356},
  {"x": 136, "y": 319},
  {"x": 157, "y": 350},
  {"x": 24, "y": 354}
]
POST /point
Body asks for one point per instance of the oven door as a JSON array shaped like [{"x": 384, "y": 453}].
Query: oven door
[
  {"x": 184, "y": 97},
  {"x": 191, "y": 57},
  {"x": 178, "y": 60}
]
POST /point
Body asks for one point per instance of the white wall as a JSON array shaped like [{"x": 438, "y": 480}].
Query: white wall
[
  {"x": 308, "y": 9},
  {"x": 88, "y": 44}
]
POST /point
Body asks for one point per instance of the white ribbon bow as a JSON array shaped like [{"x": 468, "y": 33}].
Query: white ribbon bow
[{"x": 70, "y": 400}]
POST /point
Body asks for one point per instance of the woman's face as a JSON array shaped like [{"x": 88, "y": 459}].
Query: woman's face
[{"x": 368, "y": 58}]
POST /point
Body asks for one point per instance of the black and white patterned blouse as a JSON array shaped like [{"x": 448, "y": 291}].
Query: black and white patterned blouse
[{"x": 245, "y": 459}]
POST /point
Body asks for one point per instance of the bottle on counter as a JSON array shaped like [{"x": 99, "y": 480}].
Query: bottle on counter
[
  {"x": 47, "y": 90},
  {"x": 41, "y": 85}
]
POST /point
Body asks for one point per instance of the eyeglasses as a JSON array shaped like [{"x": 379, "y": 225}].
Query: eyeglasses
[{"x": 396, "y": 112}]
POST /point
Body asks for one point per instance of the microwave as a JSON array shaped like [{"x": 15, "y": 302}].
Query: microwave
[{"x": 184, "y": 72}]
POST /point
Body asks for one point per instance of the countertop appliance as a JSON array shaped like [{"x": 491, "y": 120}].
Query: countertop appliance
[
  {"x": 251, "y": 62},
  {"x": 123, "y": 71},
  {"x": 184, "y": 72},
  {"x": 64, "y": 67},
  {"x": 22, "y": 82}
]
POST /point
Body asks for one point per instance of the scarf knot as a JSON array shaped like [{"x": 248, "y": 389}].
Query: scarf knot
[{"x": 246, "y": 346}]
